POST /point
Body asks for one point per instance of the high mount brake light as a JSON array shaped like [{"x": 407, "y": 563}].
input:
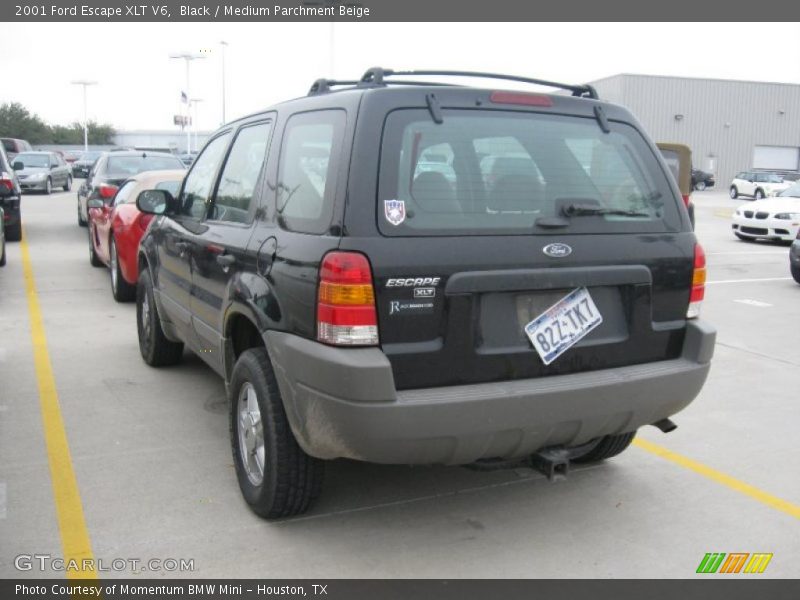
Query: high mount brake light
[
  {"x": 346, "y": 314},
  {"x": 698, "y": 283},
  {"x": 521, "y": 98}
]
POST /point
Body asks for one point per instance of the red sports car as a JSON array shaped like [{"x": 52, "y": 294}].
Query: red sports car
[{"x": 116, "y": 226}]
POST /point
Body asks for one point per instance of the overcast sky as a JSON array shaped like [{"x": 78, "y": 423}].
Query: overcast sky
[{"x": 139, "y": 86}]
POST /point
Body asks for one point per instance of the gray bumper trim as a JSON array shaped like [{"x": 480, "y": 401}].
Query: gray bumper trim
[{"x": 342, "y": 403}]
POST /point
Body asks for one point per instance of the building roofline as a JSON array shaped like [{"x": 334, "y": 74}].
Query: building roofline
[{"x": 620, "y": 75}]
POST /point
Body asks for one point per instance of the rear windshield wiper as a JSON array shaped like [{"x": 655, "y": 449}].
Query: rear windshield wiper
[{"x": 585, "y": 210}]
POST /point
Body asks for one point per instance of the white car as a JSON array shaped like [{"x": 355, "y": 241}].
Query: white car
[
  {"x": 758, "y": 184},
  {"x": 769, "y": 219}
]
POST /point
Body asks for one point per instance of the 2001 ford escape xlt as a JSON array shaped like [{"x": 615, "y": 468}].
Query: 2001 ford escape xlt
[{"x": 405, "y": 272}]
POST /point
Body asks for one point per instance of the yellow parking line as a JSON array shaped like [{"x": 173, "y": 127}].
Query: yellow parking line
[
  {"x": 753, "y": 492},
  {"x": 75, "y": 541}
]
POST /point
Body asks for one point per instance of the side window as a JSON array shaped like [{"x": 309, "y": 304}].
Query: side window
[
  {"x": 200, "y": 180},
  {"x": 234, "y": 195},
  {"x": 124, "y": 194},
  {"x": 307, "y": 170}
]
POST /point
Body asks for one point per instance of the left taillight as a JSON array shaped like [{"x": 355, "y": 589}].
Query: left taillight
[
  {"x": 698, "y": 283},
  {"x": 107, "y": 191},
  {"x": 346, "y": 314},
  {"x": 5, "y": 181}
]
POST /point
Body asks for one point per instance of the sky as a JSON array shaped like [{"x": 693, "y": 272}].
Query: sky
[{"x": 139, "y": 86}]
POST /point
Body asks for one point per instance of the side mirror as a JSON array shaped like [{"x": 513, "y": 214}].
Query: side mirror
[
  {"x": 95, "y": 203},
  {"x": 18, "y": 166},
  {"x": 156, "y": 202}
]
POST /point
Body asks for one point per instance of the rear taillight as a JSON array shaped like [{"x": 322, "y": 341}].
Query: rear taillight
[
  {"x": 107, "y": 191},
  {"x": 5, "y": 181},
  {"x": 143, "y": 221},
  {"x": 698, "y": 283},
  {"x": 686, "y": 200},
  {"x": 346, "y": 314}
]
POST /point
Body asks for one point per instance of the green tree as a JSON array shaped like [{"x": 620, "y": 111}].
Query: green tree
[{"x": 16, "y": 121}]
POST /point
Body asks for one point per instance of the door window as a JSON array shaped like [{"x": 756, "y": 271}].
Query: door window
[
  {"x": 200, "y": 180},
  {"x": 124, "y": 194}
]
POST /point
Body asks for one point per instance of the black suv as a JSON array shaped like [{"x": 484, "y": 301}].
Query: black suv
[
  {"x": 360, "y": 303},
  {"x": 10, "y": 198}
]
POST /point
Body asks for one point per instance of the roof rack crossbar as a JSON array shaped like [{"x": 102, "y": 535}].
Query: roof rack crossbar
[
  {"x": 377, "y": 76},
  {"x": 322, "y": 86}
]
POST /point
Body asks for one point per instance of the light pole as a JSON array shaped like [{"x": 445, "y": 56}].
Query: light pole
[
  {"x": 194, "y": 102},
  {"x": 224, "y": 45},
  {"x": 85, "y": 84},
  {"x": 188, "y": 57}
]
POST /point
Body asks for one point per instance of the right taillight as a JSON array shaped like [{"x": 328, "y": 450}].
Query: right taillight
[
  {"x": 698, "y": 283},
  {"x": 107, "y": 191},
  {"x": 346, "y": 314},
  {"x": 5, "y": 181}
]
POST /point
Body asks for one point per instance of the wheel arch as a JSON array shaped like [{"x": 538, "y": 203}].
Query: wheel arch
[{"x": 240, "y": 332}]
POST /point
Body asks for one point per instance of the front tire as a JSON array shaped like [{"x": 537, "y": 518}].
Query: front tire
[
  {"x": 609, "y": 446},
  {"x": 734, "y": 193},
  {"x": 795, "y": 272},
  {"x": 120, "y": 289},
  {"x": 48, "y": 186},
  {"x": 156, "y": 349},
  {"x": 276, "y": 477},
  {"x": 759, "y": 195},
  {"x": 81, "y": 221},
  {"x": 700, "y": 186},
  {"x": 3, "y": 253},
  {"x": 68, "y": 184}
]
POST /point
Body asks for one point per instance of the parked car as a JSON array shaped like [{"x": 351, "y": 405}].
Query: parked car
[
  {"x": 678, "y": 158},
  {"x": 112, "y": 168},
  {"x": 10, "y": 199},
  {"x": 702, "y": 180},
  {"x": 42, "y": 171},
  {"x": 2, "y": 239},
  {"x": 369, "y": 314},
  {"x": 757, "y": 184},
  {"x": 794, "y": 258},
  {"x": 116, "y": 226},
  {"x": 72, "y": 155},
  {"x": 776, "y": 219},
  {"x": 14, "y": 146},
  {"x": 188, "y": 157},
  {"x": 82, "y": 166}
]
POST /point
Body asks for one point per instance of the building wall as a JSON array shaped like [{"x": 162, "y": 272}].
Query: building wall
[{"x": 722, "y": 120}]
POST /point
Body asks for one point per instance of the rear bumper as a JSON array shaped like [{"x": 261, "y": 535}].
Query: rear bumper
[{"x": 342, "y": 403}]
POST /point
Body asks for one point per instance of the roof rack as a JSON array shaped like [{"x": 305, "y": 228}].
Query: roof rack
[{"x": 377, "y": 76}]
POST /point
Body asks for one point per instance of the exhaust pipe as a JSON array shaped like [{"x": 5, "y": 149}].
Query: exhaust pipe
[{"x": 665, "y": 425}]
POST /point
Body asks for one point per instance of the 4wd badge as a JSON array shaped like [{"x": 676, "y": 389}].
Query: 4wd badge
[{"x": 395, "y": 211}]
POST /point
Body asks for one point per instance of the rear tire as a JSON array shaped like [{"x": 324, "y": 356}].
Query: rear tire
[
  {"x": 81, "y": 221},
  {"x": 734, "y": 193},
  {"x": 795, "y": 273},
  {"x": 276, "y": 477},
  {"x": 3, "y": 253},
  {"x": 14, "y": 232},
  {"x": 609, "y": 446},
  {"x": 700, "y": 186},
  {"x": 156, "y": 349},
  {"x": 120, "y": 289}
]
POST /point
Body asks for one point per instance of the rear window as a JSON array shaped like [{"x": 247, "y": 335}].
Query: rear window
[
  {"x": 502, "y": 172},
  {"x": 125, "y": 166}
]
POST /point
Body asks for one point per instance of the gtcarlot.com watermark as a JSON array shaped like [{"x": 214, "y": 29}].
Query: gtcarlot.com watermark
[{"x": 48, "y": 562}]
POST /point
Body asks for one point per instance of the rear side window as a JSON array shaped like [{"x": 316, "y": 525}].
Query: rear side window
[
  {"x": 307, "y": 170},
  {"x": 200, "y": 180},
  {"x": 234, "y": 196},
  {"x": 498, "y": 172}
]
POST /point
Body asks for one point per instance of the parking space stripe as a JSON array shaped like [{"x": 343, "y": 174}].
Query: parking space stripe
[
  {"x": 75, "y": 541},
  {"x": 753, "y": 492}
]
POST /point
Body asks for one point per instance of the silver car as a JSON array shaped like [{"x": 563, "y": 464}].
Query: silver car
[{"x": 42, "y": 171}]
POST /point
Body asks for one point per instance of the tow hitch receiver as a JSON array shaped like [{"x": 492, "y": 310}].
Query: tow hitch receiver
[{"x": 554, "y": 461}]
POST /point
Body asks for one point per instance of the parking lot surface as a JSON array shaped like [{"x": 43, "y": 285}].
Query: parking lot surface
[{"x": 153, "y": 472}]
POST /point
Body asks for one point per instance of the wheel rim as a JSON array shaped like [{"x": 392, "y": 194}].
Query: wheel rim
[
  {"x": 146, "y": 315},
  {"x": 251, "y": 434},
  {"x": 113, "y": 266}
]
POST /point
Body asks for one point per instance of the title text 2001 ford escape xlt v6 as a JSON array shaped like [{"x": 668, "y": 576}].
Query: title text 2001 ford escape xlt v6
[{"x": 402, "y": 272}]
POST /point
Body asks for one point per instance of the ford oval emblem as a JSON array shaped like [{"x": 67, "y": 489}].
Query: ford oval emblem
[{"x": 557, "y": 250}]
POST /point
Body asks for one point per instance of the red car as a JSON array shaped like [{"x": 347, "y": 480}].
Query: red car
[{"x": 116, "y": 226}]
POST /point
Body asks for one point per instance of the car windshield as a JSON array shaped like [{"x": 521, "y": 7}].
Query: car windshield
[
  {"x": 170, "y": 186},
  {"x": 491, "y": 172},
  {"x": 793, "y": 191},
  {"x": 33, "y": 161},
  {"x": 125, "y": 166}
]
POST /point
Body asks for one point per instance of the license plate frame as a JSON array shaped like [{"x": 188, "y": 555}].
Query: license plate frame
[{"x": 563, "y": 325}]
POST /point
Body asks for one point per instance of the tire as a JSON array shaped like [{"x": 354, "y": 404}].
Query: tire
[
  {"x": 734, "y": 193},
  {"x": 795, "y": 272},
  {"x": 759, "y": 195},
  {"x": 609, "y": 446},
  {"x": 287, "y": 480},
  {"x": 94, "y": 260},
  {"x": 120, "y": 289},
  {"x": 156, "y": 349},
  {"x": 744, "y": 238},
  {"x": 700, "y": 186},
  {"x": 14, "y": 232},
  {"x": 48, "y": 186},
  {"x": 68, "y": 184},
  {"x": 81, "y": 221},
  {"x": 3, "y": 254}
]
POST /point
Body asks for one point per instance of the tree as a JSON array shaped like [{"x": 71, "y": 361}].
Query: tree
[{"x": 17, "y": 122}]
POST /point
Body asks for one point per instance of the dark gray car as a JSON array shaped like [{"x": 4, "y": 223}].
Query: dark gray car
[{"x": 42, "y": 171}]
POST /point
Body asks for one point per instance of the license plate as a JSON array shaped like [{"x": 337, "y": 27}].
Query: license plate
[{"x": 563, "y": 325}]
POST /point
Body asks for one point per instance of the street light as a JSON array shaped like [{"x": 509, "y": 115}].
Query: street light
[
  {"x": 85, "y": 84},
  {"x": 224, "y": 45},
  {"x": 194, "y": 102},
  {"x": 188, "y": 57}
]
